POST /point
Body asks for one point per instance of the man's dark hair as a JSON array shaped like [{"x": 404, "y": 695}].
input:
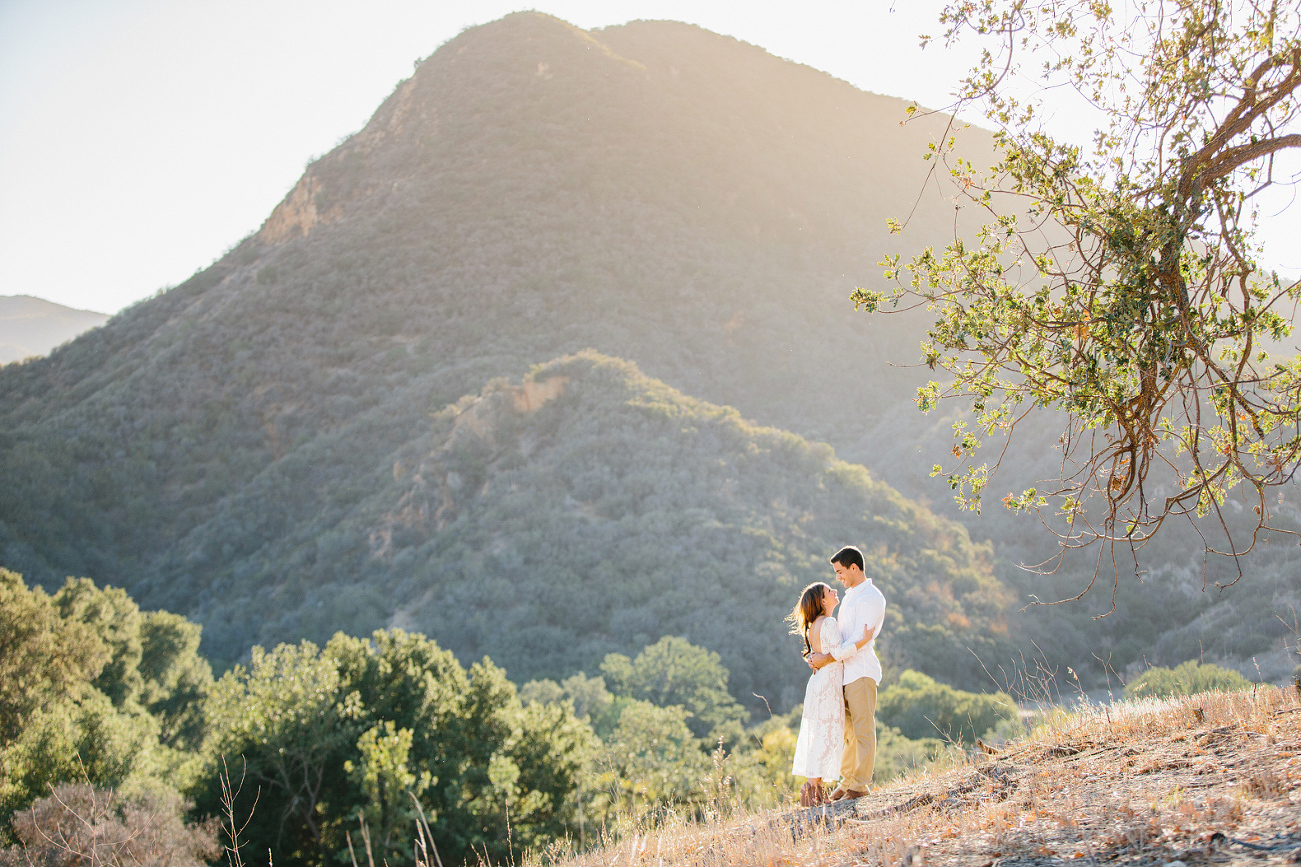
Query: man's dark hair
[{"x": 849, "y": 556}]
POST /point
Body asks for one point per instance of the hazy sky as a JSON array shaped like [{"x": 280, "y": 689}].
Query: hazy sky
[{"x": 140, "y": 139}]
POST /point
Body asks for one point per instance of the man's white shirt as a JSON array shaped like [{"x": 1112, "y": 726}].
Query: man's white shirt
[{"x": 862, "y": 605}]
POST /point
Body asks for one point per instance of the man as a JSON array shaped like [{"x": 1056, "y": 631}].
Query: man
[{"x": 862, "y": 606}]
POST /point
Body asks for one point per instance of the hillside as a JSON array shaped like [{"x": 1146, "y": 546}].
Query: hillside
[
  {"x": 33, "y": 326},
  {"x": 652, "y": 191},
  {"x": 1211, "y": 779},
  {"x": 585, "y": 510}
]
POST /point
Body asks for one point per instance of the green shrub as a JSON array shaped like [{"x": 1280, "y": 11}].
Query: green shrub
[
  {"x": 326, "y": 737},
  {"x": 921, "y": 708},
  {"x": 93, "y": 690},
  {"x": 673, "y": 671},
  {"x": 1186, "y": 678},
  {"x": 896, "y": 755}
]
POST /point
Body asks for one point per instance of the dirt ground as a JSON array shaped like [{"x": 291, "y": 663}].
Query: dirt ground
[{"x": 1214, "y": 780}]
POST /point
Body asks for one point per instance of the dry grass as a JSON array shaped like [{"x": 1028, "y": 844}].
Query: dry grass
[{"x": 1211, "y": 779}]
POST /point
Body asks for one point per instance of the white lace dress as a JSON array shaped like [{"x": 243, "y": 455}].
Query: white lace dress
[{"x": 822, "y": 728}]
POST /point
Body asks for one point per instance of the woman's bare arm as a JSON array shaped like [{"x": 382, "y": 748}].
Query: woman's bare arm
[{"x": 818, "y": 660}]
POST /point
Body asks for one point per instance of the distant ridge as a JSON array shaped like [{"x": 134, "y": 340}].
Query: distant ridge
[{"x": 31, "y": 327}]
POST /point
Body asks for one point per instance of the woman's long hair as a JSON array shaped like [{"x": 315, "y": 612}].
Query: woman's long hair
[{"x": 806, "y": 611}]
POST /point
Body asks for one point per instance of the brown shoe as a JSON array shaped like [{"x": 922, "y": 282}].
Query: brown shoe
[
  {"x": 837, "y": 794},
  {"x": 852, "y": 794},
  {"x": 813, "y": 794}
]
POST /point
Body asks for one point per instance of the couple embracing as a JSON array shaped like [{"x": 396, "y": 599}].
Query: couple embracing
[{"x": 838, "y": 731}]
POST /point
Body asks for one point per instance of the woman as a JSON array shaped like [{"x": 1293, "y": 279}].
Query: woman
[{"x": 822, "y": 728}]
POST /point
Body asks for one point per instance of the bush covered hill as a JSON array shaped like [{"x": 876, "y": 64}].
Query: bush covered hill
[
  {"x": 584, "y": 511},
  {"x": 231, "y": 448}
]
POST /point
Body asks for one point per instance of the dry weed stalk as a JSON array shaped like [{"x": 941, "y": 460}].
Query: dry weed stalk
[{"x": 228, "y": 823}]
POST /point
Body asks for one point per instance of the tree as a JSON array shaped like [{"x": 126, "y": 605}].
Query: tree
[
  {"x": 116, "y": 619},
  {"x": 673, "y": 671},
  {"x": 650, "y": 761},
  {"x": 280, "y": 729},
  {"x": 1119, "y": 284},
  {"x": 591, "y": 701},
  {"x": 152, "y": 657},
  {"x": 81, "y": 739},
  {"x": 93, "y": 690},
  {"x": 43, "y": 658},
  {"x": 176, "y": 678},
  {"x": 324, "y": 739},
  {"x": 386, "y": 779}
]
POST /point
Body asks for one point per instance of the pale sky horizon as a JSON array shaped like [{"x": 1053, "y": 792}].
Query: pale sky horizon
[{"x": 141, "y": 139}]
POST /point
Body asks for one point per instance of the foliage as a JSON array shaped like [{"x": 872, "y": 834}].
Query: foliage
[
  {"x": 153, "y": 658},
  {"x": 761, "y": 766},
  {"x": 94, "y": 691},
  {"x": 922, "y": 708},
  {"x": 651, "y": 762},
  {"x": 80, "y": 824},
  {"x": 43, "y": 658},
  {"x": 673, "y": 671},
  {"x": 651, "y": 758},
  {"x": 176, "y": 678},
  {"x": 897, "y": 754},
  {"x": 1186, "y": 678},
  {"x": 116, "y": 620},
  {"x": 387, "y": 781},
  {"x": 1119, "y": 283},
  {"x": 590, "y": 700},
  {"x": 324, "y": 739},
  {"x": 83, "y": 739},
  {"x": 356, "y": 739},
  {"x": 284, "y": 725}
]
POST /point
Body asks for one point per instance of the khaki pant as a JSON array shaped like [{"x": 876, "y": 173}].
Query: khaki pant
[{"x": 859, "y": 757}]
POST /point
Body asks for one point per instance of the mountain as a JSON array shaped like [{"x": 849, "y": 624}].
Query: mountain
[
  {"x": 33, "y": 326},
  {"x": 653, "y": 192}
]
